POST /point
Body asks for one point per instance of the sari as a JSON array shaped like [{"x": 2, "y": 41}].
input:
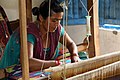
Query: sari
[{"x": 12, "y": 51}]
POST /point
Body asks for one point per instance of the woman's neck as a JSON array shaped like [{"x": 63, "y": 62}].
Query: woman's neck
[{"x": 42, "y": 30}]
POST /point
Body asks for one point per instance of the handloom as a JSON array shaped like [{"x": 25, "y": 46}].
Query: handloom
[
  {"x": 98, "y": 67},
  {"x": 108, "y": 72}
]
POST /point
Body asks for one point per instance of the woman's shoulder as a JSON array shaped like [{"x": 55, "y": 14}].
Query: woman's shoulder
[
  {"x": 31, "y": 24},
  {"x": 32, "y": 28}
]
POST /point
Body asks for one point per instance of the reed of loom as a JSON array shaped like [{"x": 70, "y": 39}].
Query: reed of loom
[
  {"x": 83, "y": 66},
  {"x": 102, "y": 73}
]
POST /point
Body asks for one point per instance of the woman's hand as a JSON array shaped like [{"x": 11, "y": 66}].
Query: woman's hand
[{"x": 75, "y": 58}]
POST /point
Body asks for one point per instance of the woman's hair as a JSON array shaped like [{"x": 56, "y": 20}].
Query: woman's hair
[{"x": 43, "y": 9}]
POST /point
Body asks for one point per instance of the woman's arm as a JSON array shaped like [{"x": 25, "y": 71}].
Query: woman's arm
[
  {"x": 71, "y": 46},
  {"x": 36, "y": 64}
]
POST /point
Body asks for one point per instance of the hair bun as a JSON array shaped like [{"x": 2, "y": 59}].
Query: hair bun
[{"x": 35, "y": 11}]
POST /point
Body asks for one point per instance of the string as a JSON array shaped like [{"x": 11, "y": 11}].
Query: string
[
  {"x": 88, "y": 22},
  {"x": 88, "y": 11},
  {"x": 64, "y": 7},
  {"x": 47, "y": 35},
  {"x": 64, "y": 41}
]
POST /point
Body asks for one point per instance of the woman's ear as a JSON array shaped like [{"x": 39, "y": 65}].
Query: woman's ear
[{"x": 40, "y": 18}]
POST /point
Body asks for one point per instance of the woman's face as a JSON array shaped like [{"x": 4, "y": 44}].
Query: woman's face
[{"x": 53, "y": 21}]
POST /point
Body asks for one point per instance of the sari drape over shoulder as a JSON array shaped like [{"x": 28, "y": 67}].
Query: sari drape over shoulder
[{"x": 38, "y": 47}]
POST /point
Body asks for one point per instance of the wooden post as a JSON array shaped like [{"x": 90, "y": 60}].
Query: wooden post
[
  {"x": 23, "y": 37},
  {"x": 29, "y": 10},
  {"x": 94, "y": 48}
]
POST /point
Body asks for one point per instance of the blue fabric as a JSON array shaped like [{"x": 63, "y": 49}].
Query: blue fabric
[
  {"x": 11, "y": 53},
  {"x": 31, "y": 38},
  {"x": 62, "y": 31}
]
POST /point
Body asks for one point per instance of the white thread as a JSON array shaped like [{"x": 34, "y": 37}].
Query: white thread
[
  {"x": 47, "y": 35},
  {"x": 88, "y": 30},
  {"x": 64, "y": 25}
]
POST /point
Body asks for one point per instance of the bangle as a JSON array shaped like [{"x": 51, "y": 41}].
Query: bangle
[{"x": 57, "y": 62}]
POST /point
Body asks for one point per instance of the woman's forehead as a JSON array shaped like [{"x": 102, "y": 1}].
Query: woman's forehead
[{"x": 56, "y": 15}]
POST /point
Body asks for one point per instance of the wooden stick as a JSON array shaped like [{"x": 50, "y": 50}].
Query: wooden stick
[
  {"x": 94, "y": 46},
  {"x": 83, "y": 66},
  {"x": 23, "y": 37}
]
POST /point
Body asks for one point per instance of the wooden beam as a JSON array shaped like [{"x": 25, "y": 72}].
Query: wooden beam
[
  {"x": 29, "y": 10},
  {"x": 94, "y": 48},
  {"x": 23, "y": 37}
]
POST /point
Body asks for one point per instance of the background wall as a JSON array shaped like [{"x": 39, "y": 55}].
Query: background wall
[
  {"x": 109, "y": 42},
  {"x": 77, "y": 33},
  {"x": 12, "y": 7}
]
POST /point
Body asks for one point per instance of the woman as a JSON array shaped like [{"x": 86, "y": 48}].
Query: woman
[{"x": 43, "y": 37}]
